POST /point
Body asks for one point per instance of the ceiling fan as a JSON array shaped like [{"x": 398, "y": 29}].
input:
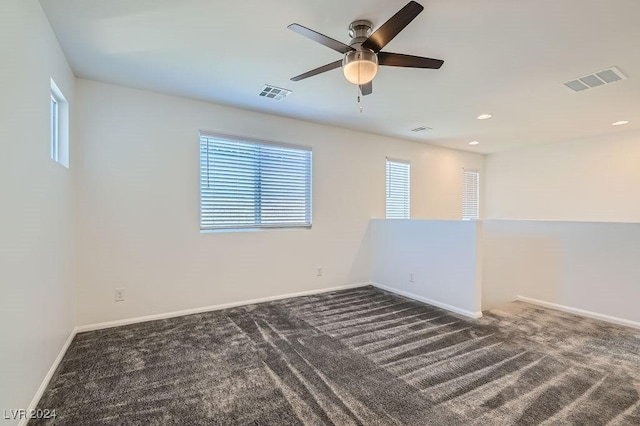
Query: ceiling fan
[{"x": 363, "y": 54}]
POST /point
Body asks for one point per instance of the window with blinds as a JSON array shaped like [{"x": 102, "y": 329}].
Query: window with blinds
[
  {"x": 398, "y": 190},
  {"x": 470, "y": 195},
  {"x": 248, "y": 184}
]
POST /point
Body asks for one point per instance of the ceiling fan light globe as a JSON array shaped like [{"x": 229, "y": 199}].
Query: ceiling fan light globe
[{"x": 360, "y": 66}]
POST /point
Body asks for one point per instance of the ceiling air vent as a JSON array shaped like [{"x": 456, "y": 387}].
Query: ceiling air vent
[
  {"x": 275, "y": 93},
  {"x": 600, "y": 78},
  {"x": 421, "y": 129}
]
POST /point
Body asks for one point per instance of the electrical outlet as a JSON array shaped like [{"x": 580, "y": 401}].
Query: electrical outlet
[
  {"x": 319, "y": 271},
  {"x": 411, "y": 280},
  {"x": 118, "y": 295}
]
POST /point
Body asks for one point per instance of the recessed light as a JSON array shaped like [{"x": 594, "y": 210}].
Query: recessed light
[
  {"x": 620, "y": 123},
  {"x": 484, "y": 116},
  {"x": 474, "y": 143}
]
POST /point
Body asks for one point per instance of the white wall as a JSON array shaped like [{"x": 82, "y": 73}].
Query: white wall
[
  {"x": 582, "y": 265},
  {"x": 593, "y": 179},
  {"x": 138, "y": 205},
  {"x": 37, "y": 213},
  {"x": 590, "y": 265},
  {"x": 443, "y": 257}
]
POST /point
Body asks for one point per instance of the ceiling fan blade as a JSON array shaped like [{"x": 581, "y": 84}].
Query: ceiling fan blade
[
  {"x": 319, "y": 70},
  {"x": 400, "y": 60},
  {"x": 320, "y": 38},
  {"x": 392, "y": 27},
  {"x": 367, "y": 88}
]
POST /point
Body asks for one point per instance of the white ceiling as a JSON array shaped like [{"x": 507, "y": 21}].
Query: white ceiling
[{"x": 504, "y": 57}]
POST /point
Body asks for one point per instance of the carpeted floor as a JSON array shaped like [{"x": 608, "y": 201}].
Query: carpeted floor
[{"x": 353, "y": 357}]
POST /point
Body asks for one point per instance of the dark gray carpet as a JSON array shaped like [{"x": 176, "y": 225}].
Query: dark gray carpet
[{"x": 354, "y": 357}]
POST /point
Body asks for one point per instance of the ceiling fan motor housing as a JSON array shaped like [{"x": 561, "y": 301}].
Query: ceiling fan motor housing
[{"x": 359, "y": 31}]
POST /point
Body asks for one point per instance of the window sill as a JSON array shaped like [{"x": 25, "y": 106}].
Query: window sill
[{"x": 257, "y": 229}]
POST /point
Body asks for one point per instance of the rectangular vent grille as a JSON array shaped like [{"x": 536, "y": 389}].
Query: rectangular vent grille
[
  {"x": 600, "y": 78},
  {"x": 275, "y": 93},
  {"x": 421, "y": 129}
]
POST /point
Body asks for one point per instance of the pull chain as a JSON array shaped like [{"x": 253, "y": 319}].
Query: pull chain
[{"x": 359, "y": 90}]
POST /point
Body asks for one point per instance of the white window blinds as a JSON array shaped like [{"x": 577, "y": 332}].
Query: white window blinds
[
  {"x": 398, "y": 190},
  {"x": 246, "y": 184},
  {"x": 470, "y": 195}
]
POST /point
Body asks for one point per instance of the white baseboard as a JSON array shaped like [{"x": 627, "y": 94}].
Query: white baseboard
[
  {"x": 581, "y": 312},
  {"x": 127, "y": 321},
  {"x": 49, "y": 375},
  {"x": 474, "y": 315},
  {"x": 165, "y": 315}
]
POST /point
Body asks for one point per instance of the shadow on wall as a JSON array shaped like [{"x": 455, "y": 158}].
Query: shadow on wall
[
  {"x": 588, "y": 267},
  {"x": 429, "y": 260},
  {"x": 518, "y": 265},
  {"x": 362, "y": 260}
]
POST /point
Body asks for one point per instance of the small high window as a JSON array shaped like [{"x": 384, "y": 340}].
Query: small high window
[
  {"x": 59, "y": 116},
  {"x": 470, "y": 195},
  {"x": 398, "y": 189}
]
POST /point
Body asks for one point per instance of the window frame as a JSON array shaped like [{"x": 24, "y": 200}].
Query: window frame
[
  {"x": 256, "y": 226},
  {"x": 408, "y": 164},
  {"x": 55, "y": 128},
  {"x": 59, "y": 125}
]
